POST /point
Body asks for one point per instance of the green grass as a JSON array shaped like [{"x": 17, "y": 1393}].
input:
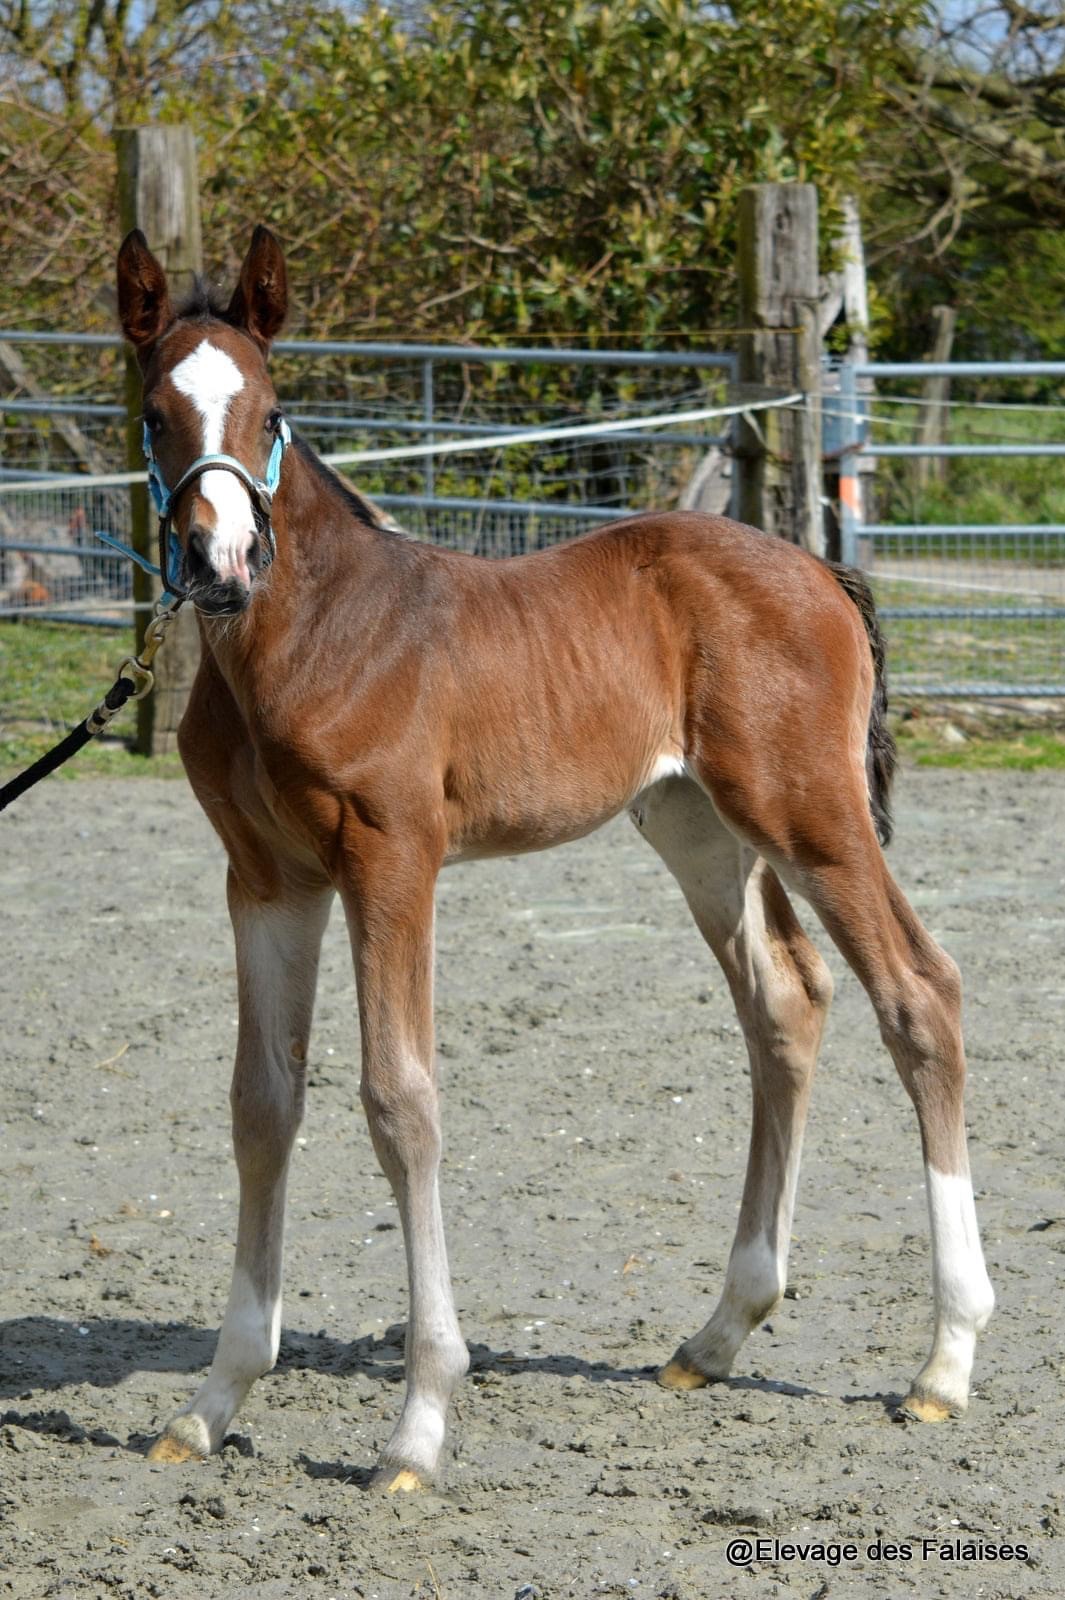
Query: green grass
[
  {"x": 51, "y": 676},
  {"x": 1020, "y": 752},
  {"x": 931, "y": 651}
]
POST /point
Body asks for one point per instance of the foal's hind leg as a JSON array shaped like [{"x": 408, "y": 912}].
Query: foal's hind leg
[
  {"x": 782, "y": 990},
  {"x": 916, "y": 992},
  {"x": 818, "y": 831},
  {"x": 277, "y": 964}
]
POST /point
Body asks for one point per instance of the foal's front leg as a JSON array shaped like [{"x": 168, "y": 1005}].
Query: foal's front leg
[
  {"x": 389, "y": 905},
  {"x": 277, "y": 966}
]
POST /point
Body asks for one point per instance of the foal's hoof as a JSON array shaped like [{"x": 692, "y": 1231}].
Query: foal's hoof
[
  {"x": 927, "y": 1408},
  {"x": 181, "y": 1440},
  {"x": 173, "y": 1450},
  {"x": 678, "y": 1375},
  {"x": 397, "y": 1480}
]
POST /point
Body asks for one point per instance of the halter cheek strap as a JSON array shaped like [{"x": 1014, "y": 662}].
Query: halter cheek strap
[{"x": 261, "y": 491}]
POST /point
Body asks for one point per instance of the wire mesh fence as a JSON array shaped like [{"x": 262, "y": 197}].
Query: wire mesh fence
[
  {"x": 342, "y": 399},
  {"x": 51, "y": 563}
]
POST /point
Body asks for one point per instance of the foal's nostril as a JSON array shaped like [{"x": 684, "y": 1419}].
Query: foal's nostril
[{"x": 199, "y": 566}]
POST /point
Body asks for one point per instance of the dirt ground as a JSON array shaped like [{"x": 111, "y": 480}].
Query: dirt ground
[{"x": 596, "y": 1124}]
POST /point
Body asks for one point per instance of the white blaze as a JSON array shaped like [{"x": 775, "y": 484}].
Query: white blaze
[{"x": 210, "y": 378}]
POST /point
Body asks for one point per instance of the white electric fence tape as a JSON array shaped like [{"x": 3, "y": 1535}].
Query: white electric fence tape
[{"x": 447, "y": 447}]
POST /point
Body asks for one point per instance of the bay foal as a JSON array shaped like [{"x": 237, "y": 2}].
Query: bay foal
[{"x": 370, "y": 709}]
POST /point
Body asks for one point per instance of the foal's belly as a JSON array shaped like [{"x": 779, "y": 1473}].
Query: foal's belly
[{"x": 550, "y": 808}]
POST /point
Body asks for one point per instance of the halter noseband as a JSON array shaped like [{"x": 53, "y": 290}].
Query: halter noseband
[{"x": 260, "y": 490}]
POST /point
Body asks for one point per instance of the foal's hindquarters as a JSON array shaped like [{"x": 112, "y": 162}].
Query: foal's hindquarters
[{"x": 773, "y": 792}]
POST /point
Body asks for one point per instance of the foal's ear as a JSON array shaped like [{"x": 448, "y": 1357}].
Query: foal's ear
[
  {"x": 260, "y": 299},
  {"x": 144, "y": 307}
]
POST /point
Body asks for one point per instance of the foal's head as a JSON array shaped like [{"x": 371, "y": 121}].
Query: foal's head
[{"x": 207, "y": 392}]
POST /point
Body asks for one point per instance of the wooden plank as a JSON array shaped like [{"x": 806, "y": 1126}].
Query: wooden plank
[
  {"x": 846, "y": 291},
  {"x": 780, "y": 451},
  {"x": 158, "y": 192}
]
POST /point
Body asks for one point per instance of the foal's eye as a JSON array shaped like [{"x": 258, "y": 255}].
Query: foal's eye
[
  {"x": 154, "y": 421},
  {"x": 273, "y": 421}
]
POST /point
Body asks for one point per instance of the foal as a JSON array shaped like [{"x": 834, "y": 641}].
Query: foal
[{"x": 370, "y": 709}]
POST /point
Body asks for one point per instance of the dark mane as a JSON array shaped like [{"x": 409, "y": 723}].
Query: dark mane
[
  {"x": 339, "y": 489},
  {"x": 202, "y": 304}
]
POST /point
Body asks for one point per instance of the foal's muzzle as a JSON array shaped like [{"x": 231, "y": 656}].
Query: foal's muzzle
[
  {"x": 209, "y": 592},
  {"x": 213, "y": 593},
  {"x": 187, "y": 574},
  {"x": 226, "y": 598}
]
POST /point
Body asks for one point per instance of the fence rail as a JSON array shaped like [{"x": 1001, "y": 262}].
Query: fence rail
[{"x": 479, "y": 354}]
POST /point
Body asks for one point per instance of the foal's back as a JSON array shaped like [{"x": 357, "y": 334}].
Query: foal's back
[{"x": 554, "y": 687}]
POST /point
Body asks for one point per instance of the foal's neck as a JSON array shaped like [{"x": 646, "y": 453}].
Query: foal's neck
[{"x": 325, "y": 535}]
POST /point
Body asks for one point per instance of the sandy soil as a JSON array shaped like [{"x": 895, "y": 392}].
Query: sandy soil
[{"x": 596, "y": 1117}]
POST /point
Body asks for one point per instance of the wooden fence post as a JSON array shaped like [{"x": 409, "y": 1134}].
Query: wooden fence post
[
  {"x": 934, "y": 419},
  {"x": 158, "y": 192},
  {"x": 779, "y": 461}
]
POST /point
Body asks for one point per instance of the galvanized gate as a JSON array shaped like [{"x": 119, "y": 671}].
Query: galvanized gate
[{"x": 971, "y": 608}]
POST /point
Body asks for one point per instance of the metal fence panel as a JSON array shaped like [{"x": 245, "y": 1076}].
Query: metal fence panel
[
  {"x": 972, "y": 606},
  {"x": 345, "y": 397}
]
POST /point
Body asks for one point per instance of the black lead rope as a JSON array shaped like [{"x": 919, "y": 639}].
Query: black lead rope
[
  {"x": 112, "y": 702},
  {"x": 134, "y": 681}
]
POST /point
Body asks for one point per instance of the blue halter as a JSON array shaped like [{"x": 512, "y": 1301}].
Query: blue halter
[{"x": 260, "y": 490}]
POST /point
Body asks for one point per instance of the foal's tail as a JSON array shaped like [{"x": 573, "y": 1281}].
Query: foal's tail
[{"x": 880, "y": 752}]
